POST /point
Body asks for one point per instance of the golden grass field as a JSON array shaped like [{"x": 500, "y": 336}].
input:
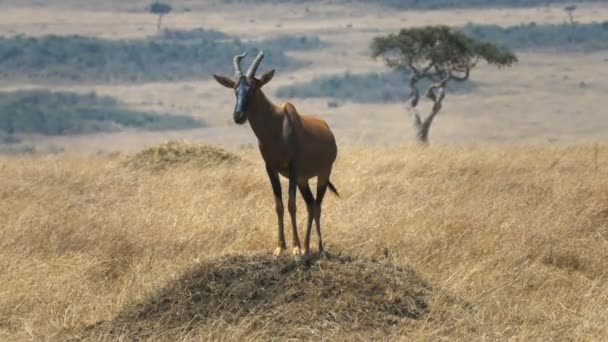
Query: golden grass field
[
  {"x": 497, "y": 231},
  {"x": 477, "y": 243}
]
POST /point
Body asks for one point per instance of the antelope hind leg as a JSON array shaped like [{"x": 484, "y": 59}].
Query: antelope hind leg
[
  {"x": 291, "y": 206},
  {"x": 310, "y": 202},
  {"x": 322, "y": 183}
]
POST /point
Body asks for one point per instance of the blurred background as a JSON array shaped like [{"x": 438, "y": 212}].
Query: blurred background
[{"x": 99, "y": 76}]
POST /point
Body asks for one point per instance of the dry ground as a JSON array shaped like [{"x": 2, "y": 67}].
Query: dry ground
[{"x": 503, "y": 242}]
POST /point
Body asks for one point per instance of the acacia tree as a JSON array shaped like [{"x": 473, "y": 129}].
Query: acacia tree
[
  {"x": 160, "y": 9},
  {"x": 570, "y": 10},
  {"x": 437, "y": 54}
]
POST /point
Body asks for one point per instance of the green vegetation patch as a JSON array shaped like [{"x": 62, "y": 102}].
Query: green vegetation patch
[
  {"x": 585, "y": 37},
  {"x": 281, "y": 43},
  {"x": 370, "y": 87},
  {"x": 86, "y": 59},
  {"x": 293, "y": 42},
  {"x": 438, "y": 4},
  {"x": 193, "y": 35},
  {"x": 54, "y": 113},
  {"x": 172, "y": 153}
]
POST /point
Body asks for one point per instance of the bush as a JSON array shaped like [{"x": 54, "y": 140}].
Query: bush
[
  {"x": 193, "y": 35},
  {"x": 293, "y": 42},
  {"x": 53, "y": 113},
  {"x": 17, "y": 149},
  {"x": 438, "y": 4},
  {"x": 77, "y": 58},
  {"x": 371, "y": 87},
  {"x": 587, "y": 37},
  {"x": 20, "y": 149},
  {"x": 278, "y": 43}
]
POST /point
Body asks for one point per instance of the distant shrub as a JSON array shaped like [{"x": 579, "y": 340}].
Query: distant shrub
[
  {"x": 17, "y": 149},
  {"x": 437, "y": 4},
  {"x": 371, "y": 87},
  {"x": 279, "y": 43},
  {"x": 193, "y": 35},
  {"x": 566, "y": 36},
  {"x": 293, "y": 42},
  {"x": 25, "y": 148},
  {"x": 77, "y": 58},
  {"x": 9, "y": 138},
  {"x": 54, "y": 113}
]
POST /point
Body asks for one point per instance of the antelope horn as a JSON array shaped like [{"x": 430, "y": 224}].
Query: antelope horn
[
  {"x": 254, "y": 66},
  {"x": 238, "y": 73}
]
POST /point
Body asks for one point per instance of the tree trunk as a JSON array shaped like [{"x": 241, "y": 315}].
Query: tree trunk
[
  {"x": 159, "y": 22},
  {"x": 422, "y": 130},
  {"x": 436, "y": 93},
  {"x": 424, "y": 126}
]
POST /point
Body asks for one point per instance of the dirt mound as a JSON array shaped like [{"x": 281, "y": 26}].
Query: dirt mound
[
  {"x": 270, "y": 295},
  {"x": 174, "y": 153}
]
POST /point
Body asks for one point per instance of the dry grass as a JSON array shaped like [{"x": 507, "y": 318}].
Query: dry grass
[
  {"x": 332, "y": 296},
  {"x": 485, "y": 242},
  {"x": 175, "y": 153}
]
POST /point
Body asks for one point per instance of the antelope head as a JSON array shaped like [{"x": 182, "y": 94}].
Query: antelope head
[{"x": 245, "y": 86}]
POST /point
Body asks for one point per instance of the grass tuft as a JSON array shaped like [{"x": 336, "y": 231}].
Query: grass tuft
[{"x": 175, "y": 153}]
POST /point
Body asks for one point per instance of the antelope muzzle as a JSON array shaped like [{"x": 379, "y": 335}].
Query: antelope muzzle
[{"x": 242, "y": 97}]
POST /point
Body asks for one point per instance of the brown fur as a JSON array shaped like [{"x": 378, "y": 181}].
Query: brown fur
[{"x": 285, "y": 137}]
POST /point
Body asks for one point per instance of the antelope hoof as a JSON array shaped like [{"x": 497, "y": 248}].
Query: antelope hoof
[
  {"x": 296, "y": 252},
  {"x": 278, "y": 251},
  {"x": 324, "y": 254},
  {"x": 308, "y": 258}
]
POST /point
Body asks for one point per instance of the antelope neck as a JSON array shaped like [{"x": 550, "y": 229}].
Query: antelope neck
[{"x": 265, "y": 118}]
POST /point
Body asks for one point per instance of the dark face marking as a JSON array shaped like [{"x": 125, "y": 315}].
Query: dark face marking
[{"x": 243, "y": 91}]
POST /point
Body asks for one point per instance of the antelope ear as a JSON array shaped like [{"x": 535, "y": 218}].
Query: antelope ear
[
  {"x": 267, "y": 77},
  {"x": 225, "y": 81}
]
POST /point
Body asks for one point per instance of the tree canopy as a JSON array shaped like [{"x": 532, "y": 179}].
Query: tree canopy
[
  {"x": 437, "y": 49},
  {"x": 160, "y": 8},
  {"x": 437, "y": 53}
]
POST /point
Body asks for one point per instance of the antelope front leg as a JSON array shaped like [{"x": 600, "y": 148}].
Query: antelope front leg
[
  {"x": 276, "y": 189},
  {"x": 291, "y": 206}
]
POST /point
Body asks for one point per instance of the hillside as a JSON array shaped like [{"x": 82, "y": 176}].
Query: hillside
[{"x": 460, "y": 243}]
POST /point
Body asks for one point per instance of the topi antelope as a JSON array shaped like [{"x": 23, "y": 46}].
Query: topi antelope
[{"x": 299, "y": 147}]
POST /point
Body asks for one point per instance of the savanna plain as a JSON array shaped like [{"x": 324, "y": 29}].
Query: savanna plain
[{"x": 496, "y": 231}]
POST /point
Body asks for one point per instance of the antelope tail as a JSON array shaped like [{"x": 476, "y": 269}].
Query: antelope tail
[{"x": 333, "y": 189}]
